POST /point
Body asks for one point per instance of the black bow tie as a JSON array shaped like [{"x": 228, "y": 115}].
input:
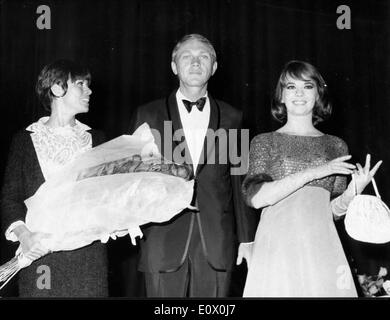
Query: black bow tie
[{"x": 198, "y": 103}]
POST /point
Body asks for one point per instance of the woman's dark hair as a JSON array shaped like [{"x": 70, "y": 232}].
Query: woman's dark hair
[
  {"x": 304, "y": 71},
  {"x": 58, "y": 72}
]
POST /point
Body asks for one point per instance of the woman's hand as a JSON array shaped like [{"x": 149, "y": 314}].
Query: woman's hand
[
  {"x": 336, "y": 166},
  {"x": 30, "y": 242},
  {"x": 364, "y": 175}
]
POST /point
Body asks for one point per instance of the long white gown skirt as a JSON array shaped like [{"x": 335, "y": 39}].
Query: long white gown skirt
[{"x": 297, "y": 251}]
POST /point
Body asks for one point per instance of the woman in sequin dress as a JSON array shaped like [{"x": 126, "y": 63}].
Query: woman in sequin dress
[
  {"x": 35, "y": 154},
  {"x": 297, "y": 175}
]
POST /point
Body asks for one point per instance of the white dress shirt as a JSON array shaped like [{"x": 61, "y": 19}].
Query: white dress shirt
[{"x": 195, "y": 124}]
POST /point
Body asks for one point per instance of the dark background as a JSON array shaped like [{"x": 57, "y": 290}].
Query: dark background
[{"x": 127, "y": 46}]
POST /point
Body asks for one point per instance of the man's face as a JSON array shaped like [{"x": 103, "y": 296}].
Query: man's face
[{"x": 194, "y": 64}]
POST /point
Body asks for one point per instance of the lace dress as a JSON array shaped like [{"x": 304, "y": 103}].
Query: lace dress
[
  {"x": 56, "y": 147},
  {"x": 297, "y": 251}
]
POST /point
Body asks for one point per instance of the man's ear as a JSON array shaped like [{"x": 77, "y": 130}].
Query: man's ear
[
  {"x": 215, "y": 65},
  {"x": 174, "y": 68},
  {"x": 57, "y": 90}
]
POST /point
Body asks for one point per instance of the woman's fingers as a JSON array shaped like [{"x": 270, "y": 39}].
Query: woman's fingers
[
  {"x": 345, "y": 172},
  {"x": 350, "y": 166},
  {"x": 366, "y": 170},
  {"x": 360, "y": 168},
  {"x": 342, "y": 170},
  {"x": 343, "y": 158},
  {"x": 32, "y": 255},
  {"x": 345, "y": 165},
  {"x": 340, "y": 166},
  {"x": 375, "y": 168},
  {"x": 368, "y": 164},
  {"x": 37, "y": 251}
]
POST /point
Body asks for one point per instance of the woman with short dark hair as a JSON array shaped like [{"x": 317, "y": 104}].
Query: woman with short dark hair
[
  {"x": 36, "y": 153},
  {"x": 297, "y": 175}
]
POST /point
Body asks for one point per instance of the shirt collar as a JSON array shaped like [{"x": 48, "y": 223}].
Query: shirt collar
[
  {"x": 180, "y": 96},
  {"x": 40, "y": 125}
]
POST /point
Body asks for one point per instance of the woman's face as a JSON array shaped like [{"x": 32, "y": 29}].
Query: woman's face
[
  {"x": 299, "y": 96},
  {"x": 76, "y": 98}
]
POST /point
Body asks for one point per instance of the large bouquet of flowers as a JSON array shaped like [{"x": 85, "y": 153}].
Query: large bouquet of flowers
[{"x": 109, "y": 191}]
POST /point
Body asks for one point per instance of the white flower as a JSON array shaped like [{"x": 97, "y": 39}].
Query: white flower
[
  {"x": 373, "y": 290},
  {"x": 382, "y": 272},
  {"x": 386, "y": 286}
]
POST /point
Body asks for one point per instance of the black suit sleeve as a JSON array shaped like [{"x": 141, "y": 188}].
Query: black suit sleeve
[
  {"x": 136, "y": 120},
  {"x": 246, "y": 219},
  {"x": 12, "y": 193}
]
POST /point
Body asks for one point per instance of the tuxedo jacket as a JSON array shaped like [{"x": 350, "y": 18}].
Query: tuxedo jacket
[{"x": 223, "y": 218}]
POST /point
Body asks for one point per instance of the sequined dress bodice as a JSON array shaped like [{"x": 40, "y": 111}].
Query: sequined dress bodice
[{"x": 277, "y": 155}]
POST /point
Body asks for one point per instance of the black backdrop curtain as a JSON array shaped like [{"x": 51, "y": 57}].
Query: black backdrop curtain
[{"x": 127, "y": 45}]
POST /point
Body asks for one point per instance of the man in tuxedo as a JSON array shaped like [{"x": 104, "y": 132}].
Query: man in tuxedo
[{"x": 193, "y": 254}]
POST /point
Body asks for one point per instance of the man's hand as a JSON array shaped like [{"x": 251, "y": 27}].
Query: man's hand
[{"x": 244, "y": 251}]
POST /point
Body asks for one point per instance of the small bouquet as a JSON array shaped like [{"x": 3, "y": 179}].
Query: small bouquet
[
  {"x": 108, "y": 191},
  {"x": 375, "y": 286}
]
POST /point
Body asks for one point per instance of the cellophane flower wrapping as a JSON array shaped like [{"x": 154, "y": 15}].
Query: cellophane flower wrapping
[{"x": 110, "y": 191}]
